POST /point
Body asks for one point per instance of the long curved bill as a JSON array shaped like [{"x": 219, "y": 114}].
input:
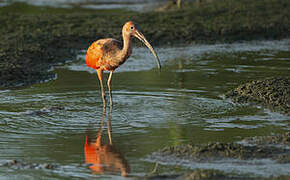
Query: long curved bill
[{"x": 142, "y": 38}]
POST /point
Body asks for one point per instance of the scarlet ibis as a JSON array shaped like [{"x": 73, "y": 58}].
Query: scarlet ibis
[{"x": 108, "y": 54}]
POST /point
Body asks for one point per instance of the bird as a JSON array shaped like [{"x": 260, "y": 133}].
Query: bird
[{"x": 108, "y": 54}]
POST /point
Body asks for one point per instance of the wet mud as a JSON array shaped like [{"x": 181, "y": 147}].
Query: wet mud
[
  {"x": 218, "y": 151},
  {"x": 35, "y": 38},
  {"x": 210, "y": 174},
  {"x": 257, "y": 148},
  {"x": 272, "y": 92},
  {"x": 200, "y": 174}
]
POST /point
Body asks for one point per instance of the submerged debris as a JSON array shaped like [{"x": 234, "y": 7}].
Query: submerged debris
[
  {"x": 280, "y": 139},
  {"x": 274, "y": 92},
  {"x": 28, "y": 165},
  {"x": 283, "y": 159},
  {"x": 44, "y": 111}
]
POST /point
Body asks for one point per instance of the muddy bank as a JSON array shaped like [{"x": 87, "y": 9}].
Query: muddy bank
[
  {"x": 280, "y": 139},
  {"x": 216, "y": 151},
  {"x": 259, "y": 148},
  {"x": 272, "y": 92},
  {"x": 34, "y": 38},
  {"x": 209, "y": 174}
]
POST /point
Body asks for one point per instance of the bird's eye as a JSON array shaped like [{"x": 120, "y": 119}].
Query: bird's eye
[{"x": 132, "y": 27}]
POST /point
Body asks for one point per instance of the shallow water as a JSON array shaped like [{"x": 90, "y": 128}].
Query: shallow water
[
  {"x": 184, "y": 103},
  {"x": 134, "y": 5}
]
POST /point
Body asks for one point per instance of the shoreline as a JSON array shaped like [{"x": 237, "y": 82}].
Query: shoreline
[{"x": 35, "y": 41}]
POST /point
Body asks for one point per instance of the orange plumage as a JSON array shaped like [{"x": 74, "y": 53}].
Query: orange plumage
[
  {"x": 105, "y": 54},
  {"x": 108, "y": 54}
]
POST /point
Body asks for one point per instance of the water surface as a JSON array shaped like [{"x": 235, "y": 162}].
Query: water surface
[
  {"x": 184, "y": 103},
  {"x": 134, "y": 5}
]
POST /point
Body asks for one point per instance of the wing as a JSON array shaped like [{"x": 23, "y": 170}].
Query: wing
[{"x": 101, "y": 52}]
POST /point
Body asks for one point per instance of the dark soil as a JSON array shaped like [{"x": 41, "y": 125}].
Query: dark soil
[
  {"x": 218, "y": 151},
  {"x": 34, "y": 38},
  {"x": 210, "y": 174},
  {"x": 273, "y": 92}
]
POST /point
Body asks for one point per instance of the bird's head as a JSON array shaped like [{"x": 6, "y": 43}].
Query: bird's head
[{"x": 131, "y": 29}]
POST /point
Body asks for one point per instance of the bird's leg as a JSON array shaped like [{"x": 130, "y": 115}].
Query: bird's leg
[
  {"x": 100, "y": 76},
  {"x": 109, "y": 126},
  {"x": 109, "y": 87}
]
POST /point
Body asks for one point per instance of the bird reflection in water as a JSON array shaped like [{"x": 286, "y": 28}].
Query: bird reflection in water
[{"x": 104, "y": 158}]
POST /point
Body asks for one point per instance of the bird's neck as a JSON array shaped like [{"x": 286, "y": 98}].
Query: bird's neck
[{"x": 126, "y": 46}]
